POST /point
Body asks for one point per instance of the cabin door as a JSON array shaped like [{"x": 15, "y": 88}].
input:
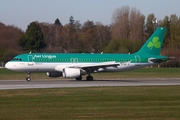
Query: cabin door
[
  {"x": 74, "y": 60},
  {"x": 137, "y": 60},
  {"x": 30, "y": 60}
]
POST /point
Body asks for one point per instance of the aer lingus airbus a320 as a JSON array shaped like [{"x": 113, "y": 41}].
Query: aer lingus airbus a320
[{"x": 75, "y": 65}]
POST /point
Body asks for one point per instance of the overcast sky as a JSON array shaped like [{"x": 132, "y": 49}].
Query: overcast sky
[{"x": 22, "y": 12}]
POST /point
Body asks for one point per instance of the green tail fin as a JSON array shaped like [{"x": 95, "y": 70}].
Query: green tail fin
[{"x": 154, "y": 44}]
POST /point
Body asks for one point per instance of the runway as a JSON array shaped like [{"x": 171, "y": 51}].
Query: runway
[{"x": 22, "y": 84}]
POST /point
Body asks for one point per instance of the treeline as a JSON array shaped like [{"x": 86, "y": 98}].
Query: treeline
[{"x": 126, "y": 34}]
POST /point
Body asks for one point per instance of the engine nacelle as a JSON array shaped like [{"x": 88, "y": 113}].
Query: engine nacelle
[
  {"x": 71, "y": 72},
  {"x": 54, "y": 74}
]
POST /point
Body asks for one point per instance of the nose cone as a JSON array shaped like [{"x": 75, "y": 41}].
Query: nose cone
[
  {"x": 7, "y": 65},
  {"x": 10, "y": 66}
]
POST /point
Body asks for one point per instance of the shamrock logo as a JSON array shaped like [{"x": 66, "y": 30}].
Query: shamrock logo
[{"x": 154, "y": 43}]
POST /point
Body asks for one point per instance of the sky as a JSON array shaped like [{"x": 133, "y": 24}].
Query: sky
[{"x": 21, "y": 13}]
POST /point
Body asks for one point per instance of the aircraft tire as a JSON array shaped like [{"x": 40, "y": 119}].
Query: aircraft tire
[
  {"x": 28, "y": 79},
  {"x": 79, "y": 78},
  {"x": 89, "y": 78}
]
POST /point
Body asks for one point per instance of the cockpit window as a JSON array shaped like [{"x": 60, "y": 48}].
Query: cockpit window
[{"x": 17, "y": 59}]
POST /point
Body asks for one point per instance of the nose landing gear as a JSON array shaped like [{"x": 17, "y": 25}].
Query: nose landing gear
[{"x": 28, "y": 77}]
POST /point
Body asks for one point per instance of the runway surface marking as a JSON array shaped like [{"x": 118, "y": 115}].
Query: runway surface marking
[{"x": 20, "y": 84}]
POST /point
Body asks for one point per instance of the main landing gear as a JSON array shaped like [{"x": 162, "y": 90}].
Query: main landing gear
[
  {"x": 28, "y": 77},
  {"x": 79, "y": 78},
  {"x": 88, "y": 78}
]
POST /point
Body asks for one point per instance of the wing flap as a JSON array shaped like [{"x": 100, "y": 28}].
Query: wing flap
[{"x": 96, "y": 65}]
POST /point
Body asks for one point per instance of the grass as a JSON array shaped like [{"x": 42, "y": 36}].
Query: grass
[
  {"x": 93, "y": 103},
  {"x": 138, "y": 73}
]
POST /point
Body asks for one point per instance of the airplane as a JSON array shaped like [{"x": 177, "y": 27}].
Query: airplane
[{"x": 74, "y": 65}]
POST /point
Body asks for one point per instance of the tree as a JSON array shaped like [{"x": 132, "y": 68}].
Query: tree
[
  {"x": 150, "y": 25},
  {"x": 53, "y": 36},
  {"x": 175, "y": 31},
  {"x": 122, "y": 46},
  {"x": 128, "y": 23},
  {"x": 9, "y": 37},
  {"x": 120, "y": 26},
  {"x": 127, "y": 30},
  {"x": 166, "y": 23},
  {"x": 70, "y": 38},
  {"x": 77, "y": 26},
  {"x": 57, "y": 22},
  {"x": 33, "y": 39},
  {"x": 103, "y": 36},
  {"x": 89, "y": 36},
  {"x": 136, "y": 25},
  {"x": 72, "y": 21}
]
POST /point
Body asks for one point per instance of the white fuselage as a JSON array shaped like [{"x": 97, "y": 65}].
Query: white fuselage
[{"x": 50, "y": 67}]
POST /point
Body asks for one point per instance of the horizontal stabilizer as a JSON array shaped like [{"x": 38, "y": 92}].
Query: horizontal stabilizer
[{"x": 157, "y": 60}]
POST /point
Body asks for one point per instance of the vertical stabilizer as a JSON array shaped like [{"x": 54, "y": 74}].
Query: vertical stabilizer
[{"x": 154, "y": 44}]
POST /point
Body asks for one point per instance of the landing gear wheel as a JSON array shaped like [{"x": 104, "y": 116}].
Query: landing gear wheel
[
  {"x": 28, "y": 79},
  {"x": 79, "y": 78},
  {"x": 89, "y": 78}
]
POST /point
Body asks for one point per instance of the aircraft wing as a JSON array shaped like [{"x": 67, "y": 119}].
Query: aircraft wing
[
  {"x": 91, "y": 67},
  {"x": 95, "y": 65}
]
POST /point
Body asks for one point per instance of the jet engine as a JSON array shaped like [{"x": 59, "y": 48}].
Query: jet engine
[
  {"x": 54, "y": 74},
  {"x": 71, "y": 72}
]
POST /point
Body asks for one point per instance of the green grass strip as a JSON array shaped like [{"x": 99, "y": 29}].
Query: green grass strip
[{"x": 93, "y": 103}]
